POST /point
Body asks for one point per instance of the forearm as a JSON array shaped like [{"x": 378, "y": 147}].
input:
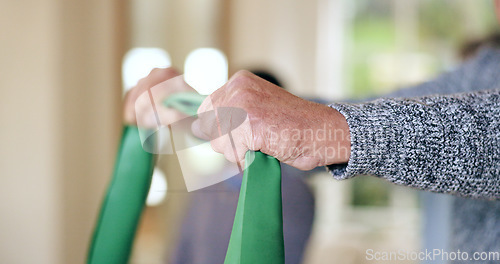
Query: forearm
[{"x": 447, "y": 144}]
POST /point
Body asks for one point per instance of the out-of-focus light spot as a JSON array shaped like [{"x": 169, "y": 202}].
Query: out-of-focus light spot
[
  {"x": 205, "y": 69},
  {"x": 138, "y": 62},
  {"x": 158, "y": 189},
  {"x": 399, "y": 69}
]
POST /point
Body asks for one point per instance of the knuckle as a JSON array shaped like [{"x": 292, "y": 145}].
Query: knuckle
[
  {"x": 243, "y": 73},
  {"x": 216, "y": 146},
  {"x": 241, "y": 153},
  {"x": 229, "y": 157},
  {"x": 142, "y": 82},
  {"x": 142, "y": 99},
  {"x": 171, "y": 71},
  {"x": 156, "y": 71},
  {"x": 163, "y": 73},
  {"x": 240, "y": 79},
  {"x": 308, "y": 167},
  {"x": 241, "y": 90}
]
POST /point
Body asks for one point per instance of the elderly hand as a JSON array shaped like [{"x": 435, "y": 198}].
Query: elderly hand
[
  {"x": 298, "y": 132},
  {"x": 160, "y": 83}
]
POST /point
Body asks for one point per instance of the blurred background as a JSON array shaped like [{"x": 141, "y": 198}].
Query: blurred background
[{"x": 61, "y": 89}]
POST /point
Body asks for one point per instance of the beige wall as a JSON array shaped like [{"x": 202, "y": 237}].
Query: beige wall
[
  {"x": 59, "y": 112},
  {"x": 28, "y": 172},
  {"x": 278, "y": 35}
]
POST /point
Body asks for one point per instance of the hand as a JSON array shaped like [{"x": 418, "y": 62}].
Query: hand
[
  {"x": 161, "y": 83},
  {"x": 298, "y": 132}
]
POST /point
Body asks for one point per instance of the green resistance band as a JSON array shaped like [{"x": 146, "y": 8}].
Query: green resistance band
[{"x": 257, "y": 235}]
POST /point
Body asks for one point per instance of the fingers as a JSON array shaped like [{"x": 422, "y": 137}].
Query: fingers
[
  {"x": 222, "y": 121},
  {"x": 224, "y": 146},
  {"x": 155, "y": 77},
  {"x": 205, "y": 126},
  {"x": 149, "y": 108},
  {"x": 228, "y": 132},
  {"x": 149, "y": 118},
  {"x": 167, "y": 87},
  {"x": 304, "y": 163}
]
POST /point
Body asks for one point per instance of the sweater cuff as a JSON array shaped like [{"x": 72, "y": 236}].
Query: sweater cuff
[{"x": 369, "y": 133}]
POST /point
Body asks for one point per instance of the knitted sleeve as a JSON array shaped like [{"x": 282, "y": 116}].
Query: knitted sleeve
[{"x": 448, "y": 144}]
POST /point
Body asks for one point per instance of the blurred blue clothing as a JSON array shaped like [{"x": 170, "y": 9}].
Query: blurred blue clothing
[{"x": 207, "y": 226}]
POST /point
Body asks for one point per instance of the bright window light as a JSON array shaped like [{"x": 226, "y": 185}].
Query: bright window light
[
  {"x": 138, "y": 62},
  {"x": 205, "y": 69},
  {"x": 158, "y": 189}
]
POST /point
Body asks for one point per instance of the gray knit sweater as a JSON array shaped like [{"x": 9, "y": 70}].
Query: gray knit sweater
[{"x": 447, "y": 141}]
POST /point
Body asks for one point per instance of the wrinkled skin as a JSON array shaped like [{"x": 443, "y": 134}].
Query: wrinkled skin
[
  {"x": 278, "y": 123},
  {"x": 275, "y": 121}
]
